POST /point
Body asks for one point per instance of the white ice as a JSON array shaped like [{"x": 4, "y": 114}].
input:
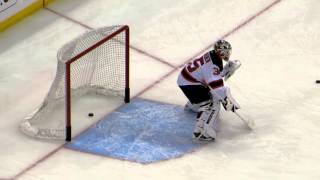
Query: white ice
[{"x": 279, "y": 50}]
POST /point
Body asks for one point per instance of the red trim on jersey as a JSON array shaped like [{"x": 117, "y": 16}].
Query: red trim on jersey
[
  {"x": 188, "y": 76},
  {"x": 216, "y": 84}
]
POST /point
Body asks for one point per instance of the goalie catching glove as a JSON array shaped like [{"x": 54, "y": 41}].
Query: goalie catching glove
[{"x": 230, "y": 68}]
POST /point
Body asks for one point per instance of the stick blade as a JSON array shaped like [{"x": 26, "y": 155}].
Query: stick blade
[{"x": 251, "y": 124}]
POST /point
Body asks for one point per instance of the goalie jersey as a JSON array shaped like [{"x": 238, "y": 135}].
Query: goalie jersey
[{"x": 204, "y": 71}]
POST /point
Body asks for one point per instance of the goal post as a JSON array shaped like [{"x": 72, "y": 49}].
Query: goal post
[{"x": 94, "y": 62}]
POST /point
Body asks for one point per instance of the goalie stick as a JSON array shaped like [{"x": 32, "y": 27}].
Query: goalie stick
[
  {"x": 247, "y": 121},
  {"x": 228, "y": 71}
]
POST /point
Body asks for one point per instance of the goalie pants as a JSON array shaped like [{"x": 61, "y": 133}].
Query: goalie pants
[{"x": 196, "y": 93}]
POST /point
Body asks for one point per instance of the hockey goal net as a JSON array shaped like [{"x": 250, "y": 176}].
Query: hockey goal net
[{"x": 95, "y": 62}]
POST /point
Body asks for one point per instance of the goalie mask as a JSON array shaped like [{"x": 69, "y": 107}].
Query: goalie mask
[{"x": 223, "y": 49}]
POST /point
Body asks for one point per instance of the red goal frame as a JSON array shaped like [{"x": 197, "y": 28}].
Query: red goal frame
[{"x": 125, "y": 29}]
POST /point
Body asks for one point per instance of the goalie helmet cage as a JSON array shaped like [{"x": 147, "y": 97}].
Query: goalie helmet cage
[{"x": 95, "y": 62}]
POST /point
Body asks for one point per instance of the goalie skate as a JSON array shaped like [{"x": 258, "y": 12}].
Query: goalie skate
[{"x": 201, "y": 137}]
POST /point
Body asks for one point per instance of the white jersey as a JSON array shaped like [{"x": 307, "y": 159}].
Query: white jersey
[{"x": 205, "y": 71}]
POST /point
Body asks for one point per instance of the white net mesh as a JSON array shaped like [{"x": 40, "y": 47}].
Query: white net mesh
[{"x": 100, "y": 70}]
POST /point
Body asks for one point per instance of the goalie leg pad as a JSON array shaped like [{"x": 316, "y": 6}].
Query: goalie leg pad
[
  {"x": 207, "y": 121},
  {"x": 196, "y": 107}
]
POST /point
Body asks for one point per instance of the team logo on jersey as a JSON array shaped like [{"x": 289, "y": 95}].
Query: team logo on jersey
[{"x": 216, "y": 71}]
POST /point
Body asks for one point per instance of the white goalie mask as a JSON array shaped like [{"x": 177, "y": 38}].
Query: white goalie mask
[{"x": 223, "y": 49}]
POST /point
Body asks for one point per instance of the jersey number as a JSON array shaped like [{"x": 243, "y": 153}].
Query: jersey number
[{"x": 192, "y": 66}]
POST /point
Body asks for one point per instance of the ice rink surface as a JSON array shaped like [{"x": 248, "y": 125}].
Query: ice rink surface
[{"x": 278, "y": 43}]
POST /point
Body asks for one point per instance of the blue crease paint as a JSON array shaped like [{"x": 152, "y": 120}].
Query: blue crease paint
[{"x": 142, "y": 131}]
